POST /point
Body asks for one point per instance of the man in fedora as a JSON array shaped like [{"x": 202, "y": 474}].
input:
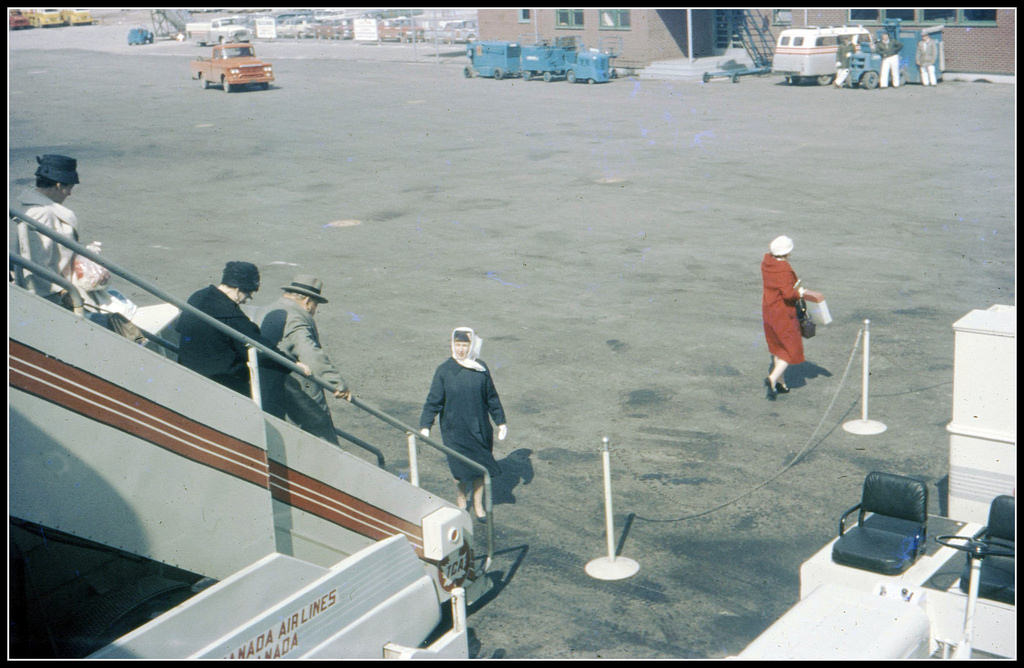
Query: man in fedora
[
  {"x": 289, "y": 325},
  {"x": 56, "y": 175}
]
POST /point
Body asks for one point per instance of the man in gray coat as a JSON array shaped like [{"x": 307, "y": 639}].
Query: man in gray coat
[
  {"x": 927, "y": 53},
  {"x": 289, "y": 324}
]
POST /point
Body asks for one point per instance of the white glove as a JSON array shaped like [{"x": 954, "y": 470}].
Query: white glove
[
  {"x": 425, "y": 431},
  {"x": 502, "y": 431},
  {"x": 95, "y": 246}
]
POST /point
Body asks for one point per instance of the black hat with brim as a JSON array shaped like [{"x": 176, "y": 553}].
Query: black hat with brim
[{"x": 59, "y": 168}]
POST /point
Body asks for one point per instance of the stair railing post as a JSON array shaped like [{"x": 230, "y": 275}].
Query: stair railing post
[
  {"x": 254, "y": 375},
  {"x": 414, "y": 466}
]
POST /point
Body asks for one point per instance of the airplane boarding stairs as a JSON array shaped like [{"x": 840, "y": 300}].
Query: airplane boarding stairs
[{"x": 117, "y": 446}]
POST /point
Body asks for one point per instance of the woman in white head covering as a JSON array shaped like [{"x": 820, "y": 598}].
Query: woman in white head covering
[
  {"x": 463, "y": 392},
  {"x": 778, "y": 309}
]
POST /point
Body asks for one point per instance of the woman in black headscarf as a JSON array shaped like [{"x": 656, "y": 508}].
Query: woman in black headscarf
[{"x": 463, "y": 392}]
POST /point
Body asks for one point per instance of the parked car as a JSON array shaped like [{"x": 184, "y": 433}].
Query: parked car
[
  {"x": 298, "y": 27},
  {"x": 45, "y": 18},
  {"x": 18, "y": 21},
  {"x": 458, "y": 31},
  {"x": 76, "y": 17},
  {"x": 336, "y": 28},
  {"x": 400, "y": 30}
]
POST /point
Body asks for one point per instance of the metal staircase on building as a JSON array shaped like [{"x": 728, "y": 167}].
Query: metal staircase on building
[
  {"x": 746, "y": 29},
  {"x": 169, "y": 22}
]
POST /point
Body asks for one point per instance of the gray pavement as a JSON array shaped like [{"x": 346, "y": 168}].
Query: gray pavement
[{"x": 604, "y": 241}]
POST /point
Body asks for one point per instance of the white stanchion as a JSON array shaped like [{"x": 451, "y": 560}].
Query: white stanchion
[
  {"x": 414, "y": 466},
  {"x": 864, "y": 426},
  {"x": 610, "y": 567}
]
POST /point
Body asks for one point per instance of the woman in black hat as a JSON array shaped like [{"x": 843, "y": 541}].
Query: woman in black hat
[
  {"x": 204, "y": 348},
  {"x": 56, "y": 175},
  {"x": 463, "y": 392}
]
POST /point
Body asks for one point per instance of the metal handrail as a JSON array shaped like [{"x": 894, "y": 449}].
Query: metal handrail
[
  {"x": 76, "y": 299},
  {"x": 269, "y": 352}
]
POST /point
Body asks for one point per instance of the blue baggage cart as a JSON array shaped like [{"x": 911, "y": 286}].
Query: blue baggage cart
[
  {"x": 547, "y": 60},
  {"x": 493, "y": 59},
  {"x": 590, "y": 65},
  {"x": 866, "y": 65},
  {"x": 139, "y": 36}
]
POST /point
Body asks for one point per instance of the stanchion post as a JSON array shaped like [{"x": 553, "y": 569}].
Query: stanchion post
[
  {"x": 414, "y": 467},
  {"x": 864, "y": 426},
  {"x": 610, "y": 567}
]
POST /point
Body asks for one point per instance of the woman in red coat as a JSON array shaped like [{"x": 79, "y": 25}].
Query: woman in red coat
[{"x": 778, "y": 308}]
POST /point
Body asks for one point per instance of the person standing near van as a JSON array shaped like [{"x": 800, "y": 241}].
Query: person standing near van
[
  {"x": 889, "y": 50},
  {"x": 927, "y": 54},
  {"x": 843, "y": 55},
  {"x": 778, "y": 310}
]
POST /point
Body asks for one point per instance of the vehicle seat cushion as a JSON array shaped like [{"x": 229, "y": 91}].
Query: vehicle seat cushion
[
  {"x": 895, "y": 496},
  {"x": 879, "y": 550},
  {"x": 997, "y": 579},
  {"x": 1000, "y": 518}
]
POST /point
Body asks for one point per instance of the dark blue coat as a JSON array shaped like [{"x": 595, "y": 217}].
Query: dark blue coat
[
  {"x": 210, "y": 352},
  {"x": 465, "y": 398}
]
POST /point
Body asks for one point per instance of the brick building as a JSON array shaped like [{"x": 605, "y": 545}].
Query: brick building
[{"x": 976, "y": 40}]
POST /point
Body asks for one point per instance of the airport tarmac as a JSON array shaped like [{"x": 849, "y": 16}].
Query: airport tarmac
[{"x": 605, "y": 242}]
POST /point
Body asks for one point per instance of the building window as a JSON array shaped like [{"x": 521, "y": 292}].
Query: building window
[
  {"x": 863, "y": 15},
  {"x": 524, "y": 15},
  {"x": 782, "y": 17},
  {"x": 979, "y": 15},
  {"x": 938, "y": 15},
  {"x": 947, "y": 16},
  {"x": 568, "y": 18},
  {"x": 905, "y": 15},
  {"x": 613, "y": 19}
]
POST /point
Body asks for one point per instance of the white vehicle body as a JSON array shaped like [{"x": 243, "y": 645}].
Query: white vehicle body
[
  {"x": 811, "y": 52},
  {"x": 218, "y": 31}
]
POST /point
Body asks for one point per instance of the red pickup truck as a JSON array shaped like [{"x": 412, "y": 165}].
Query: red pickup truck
[
  {"x": 401, "y": 30},
  {"x": 232, "y": 66}
]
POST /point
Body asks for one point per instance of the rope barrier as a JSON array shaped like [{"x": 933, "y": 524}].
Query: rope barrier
[{"x": 796, "y": 458}]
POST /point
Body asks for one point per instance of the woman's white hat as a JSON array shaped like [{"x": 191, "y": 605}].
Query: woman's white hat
[{"x": 781, "y": 246}]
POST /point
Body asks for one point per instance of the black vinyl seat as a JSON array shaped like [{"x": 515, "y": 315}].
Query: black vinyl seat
[
  {"x": 893, "y": 537},
  {"x": 997, "y": 580}
]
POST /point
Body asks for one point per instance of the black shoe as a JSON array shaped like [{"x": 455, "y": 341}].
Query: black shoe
[
  {"x": 781, "y": 389},
  {"x": 769, "y": 390}
]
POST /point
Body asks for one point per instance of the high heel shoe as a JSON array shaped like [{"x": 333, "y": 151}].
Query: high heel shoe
[
  {"x": 769, "y": 390},
  {"x": 781, "y": 388}
]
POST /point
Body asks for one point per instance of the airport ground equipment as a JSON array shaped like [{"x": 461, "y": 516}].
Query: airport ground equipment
[
  {"x": 493, "y": 59},
  {"x": 590, "y": 66},
  {"x": 546, "y": 60},
  {"x": 140, "y": 35},
  {"x": 866, "y": 65},
  {"x": 751, "y": 33}
]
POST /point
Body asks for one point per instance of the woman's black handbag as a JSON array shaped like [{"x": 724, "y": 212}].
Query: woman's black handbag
[{"x": 807, "y": 326}]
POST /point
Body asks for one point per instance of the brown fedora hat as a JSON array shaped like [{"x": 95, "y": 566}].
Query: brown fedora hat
[{"x": 306, "y": 284}]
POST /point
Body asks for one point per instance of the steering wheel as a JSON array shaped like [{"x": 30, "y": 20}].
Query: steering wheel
[{"x": 976, "y": 548}]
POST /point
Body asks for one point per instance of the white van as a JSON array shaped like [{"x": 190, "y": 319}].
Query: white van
[{"x": 811, "y": 52}]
